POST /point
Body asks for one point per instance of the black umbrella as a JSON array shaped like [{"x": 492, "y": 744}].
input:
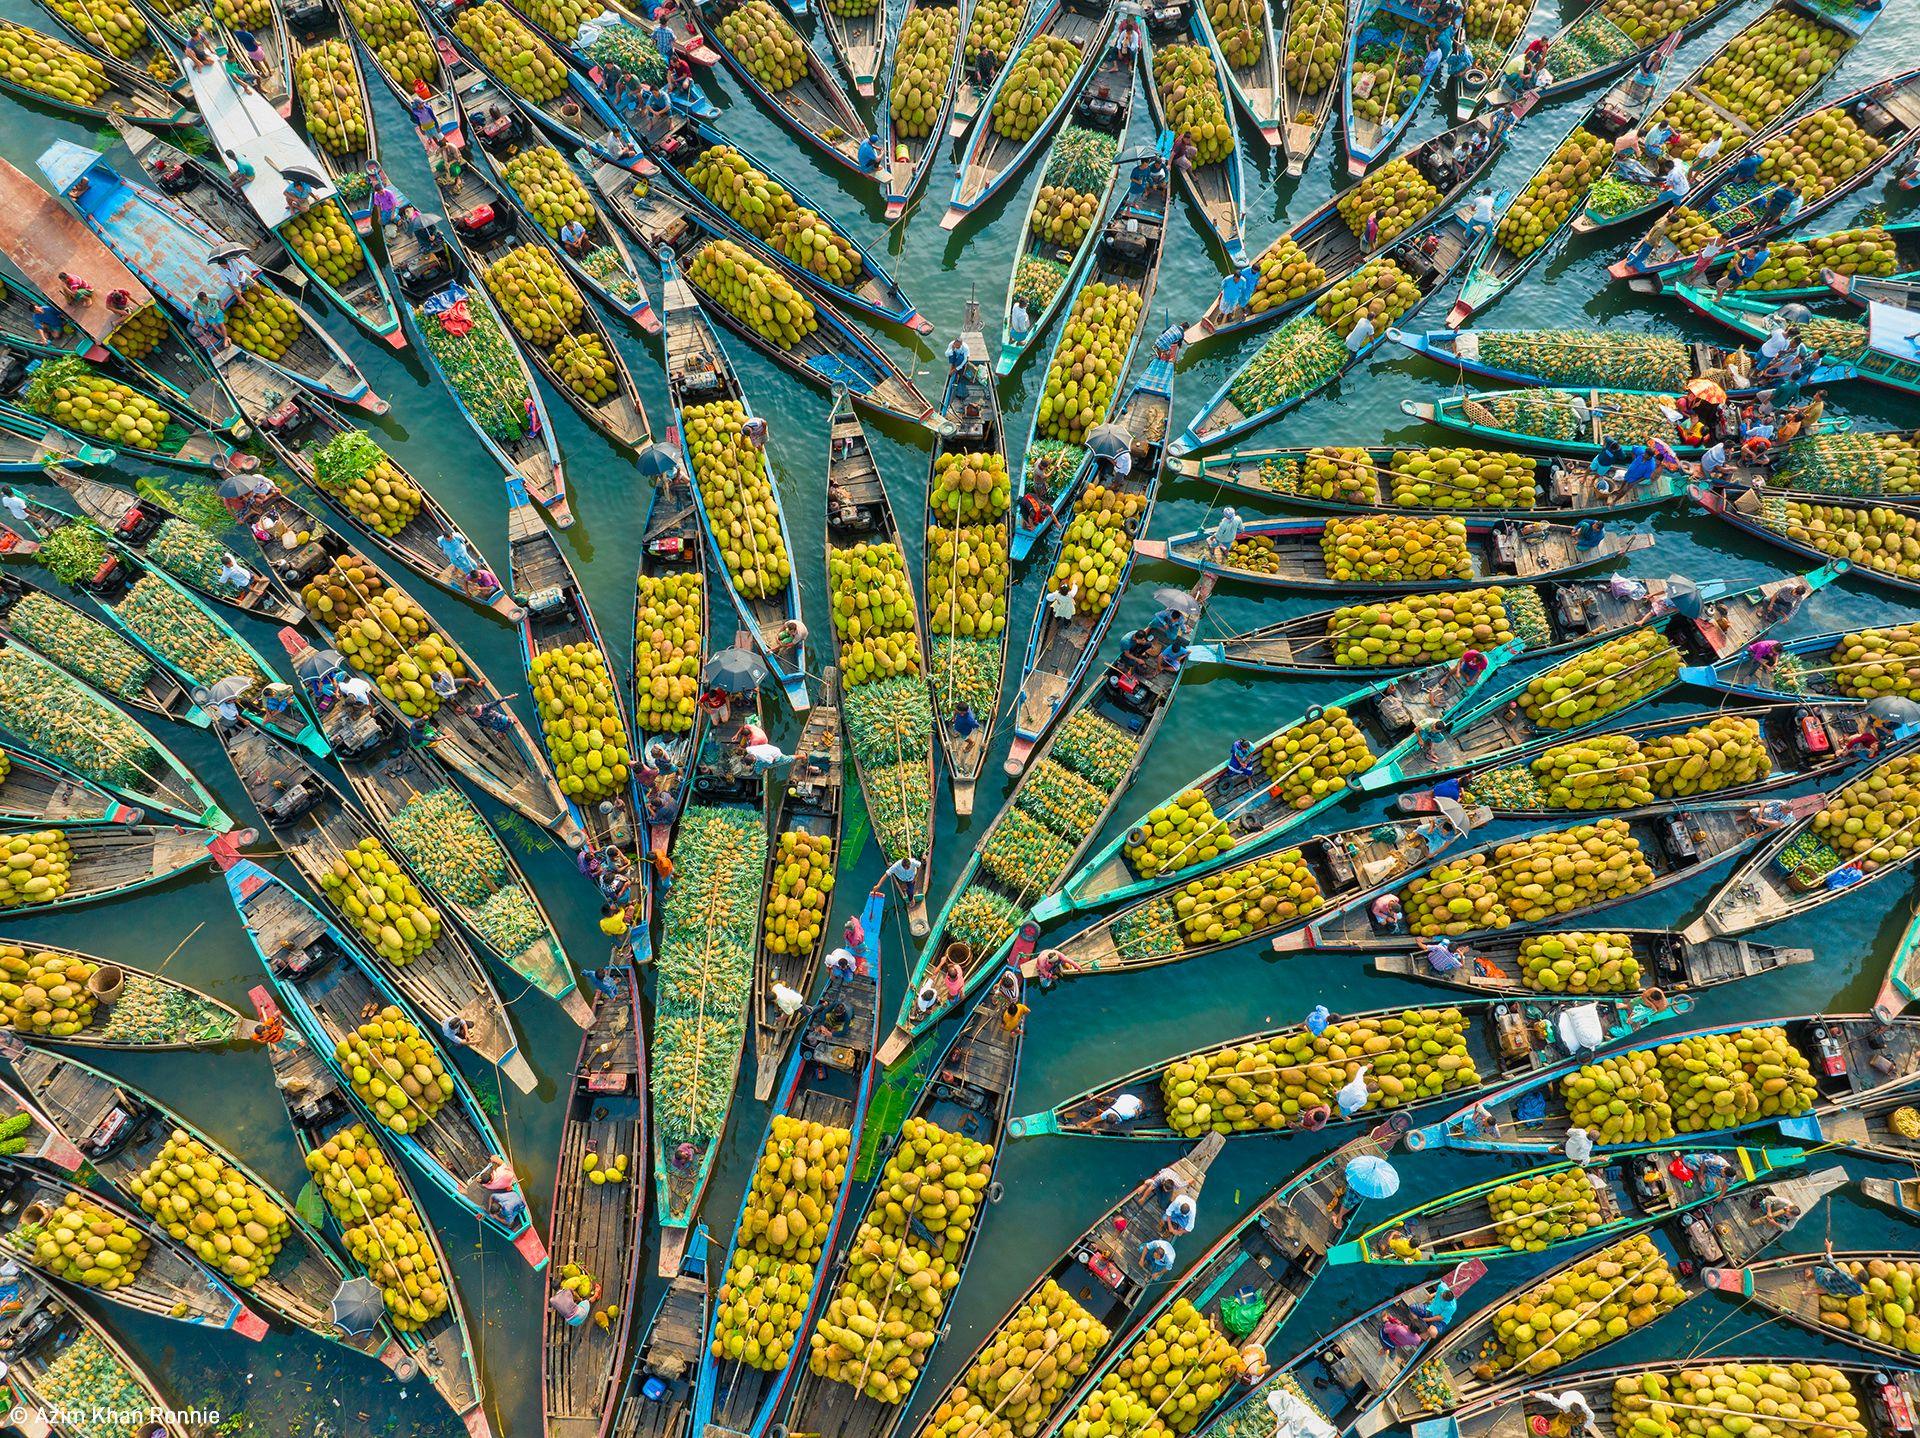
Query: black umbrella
[
  {"x": 1684, "y": 595},
  {"x": 302, "y": 174},
  {"x": 1107, "y": 440},
  {"x": 228, "y": 251},
  {"x": 1178, "y": 600},
  {"x": 656, "y": 461},
  {"x": 1894, "y": 709},
  {"x": 357, "y": 1305},
  {"x": 318, "y": 662},
  {"x": 738, "y": 671}
]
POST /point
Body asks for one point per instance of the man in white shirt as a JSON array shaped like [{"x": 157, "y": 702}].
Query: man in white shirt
[
  {"x": 1482, "y": 213},
  {"x": 1579, "y": 1145},
  {"x": 1707, "y": 153},
  {"x": 352, "y": 687},
  {"x": 766, "y": 756},
  {"x": 1679, "y": 180},
  {"x": 1125, "y": 1108},
  {"x": 1180, "y": 1215},
  {"x": 1061, "y": 602},
  {"x": 1361, "y": 335},
  {"x": 235, "y": 574}
]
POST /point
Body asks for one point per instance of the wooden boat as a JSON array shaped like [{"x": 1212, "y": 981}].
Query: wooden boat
[
  {"x": 1733, "y": 1228},
  {"x": 184, "y": 444},
  {"x": 1105, "y": 108},
  {"x": 325, "y": 984},
  {"x": 433, "y": 273},
  {"x": 1254, "y": 807},
  {"x": 319, "y": 1108},
  {"x": 1100, "y": 1272},
  {"x": 171, "y": 249},
  {"x": 1804, "y": 741},
  {"x": 1305, "y": 109},
  {"x": 122, "y": 1131},
  {"x": 314, "y": 824},
  {"x": 1036, "y": 840},
  {"x": 135, "y": 522},
  {"x": 123, "y": 86},
  {"x": 158, "y": 693},
  {"x": 1877, "y": 350},
  {"x": 671, "y": 548},
  {"x": 1786, "y": 1287},
  {"x": 297, "y": 424},
  {"x": 1386, "y": 42},
  {"x": 111, "y": 860},
  {"x": 29, "y": 444},
  {"x": 43, "y": 1336},
  {"x": 1854, "y": 1059},
  {"x": 976, "y": 82},
  {"x": 858, "y": 512},
  {"x": 860, "y": 45},
  {"x": 575, "y": 38},
  {"x": 970, "y": 1098},
  {"x": 1564, "y": 421},
  {"x": 814, "y": 109},
  {"x": 1217, "y": 189},
  {"x": 1495, "y": 267},
  {"x": 990, "y": 161},
  {"x": 1677, "y": 840},
  {"x": 810, "y": 806},
  {"x": 169, "y": 1282},
  {"x": 176, "y": 19},
  {"x": 39, "y": 789},
  {"x": 149, "y": 1013},
  {"x": 40, "y": 1136},
  {"x": 1846, "y": 22},
  {"x": 1355, "y": 861},
  {"x": 1428, "y": 258},
  {"x": 1791, "y": 678},
  {"x": 1126, "y": 256},
  {"x": 423, "y": 53},
  {"x": 827, "y": 1082},
  {"x": 145, "y": 51},
  {"x": 1326, "y": 239},
  {"x": 970, "y": 410},
  {"x": 1632, "y": 1189},
  {"x": 1888, "y": 111},
  {"x": 1493, "y": 43},
  {"x": 1058, "y": 654},
  {"x": 308, "y": 28},
  {"x": 1764, "y": 515},
  {"x": 604, "y": 266},
  {"x": 911, "y": 157},
  {"x": 1497, "y": 731},
  {"x": 596, "y": 1227},
  {"x": 699, "y": 372},
  {"x": 678, "y": 142},
  {"x": 1591, "y": 48},
  {"x": 1900, "y": 237},
  {"x": 1541, "y": 357},
  {"x": 1499, "y": 552},
  {"x": 1562, "y": 488},
  {"x": 1537, "y": 1048},
  {"x": 657, "y": 1399}
]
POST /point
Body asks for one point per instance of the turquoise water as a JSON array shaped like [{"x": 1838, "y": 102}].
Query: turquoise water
[{"x": 1082, "y": 1032}]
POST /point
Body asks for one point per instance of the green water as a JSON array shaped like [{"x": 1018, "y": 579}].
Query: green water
[{"x": 1082, "y": 1032}]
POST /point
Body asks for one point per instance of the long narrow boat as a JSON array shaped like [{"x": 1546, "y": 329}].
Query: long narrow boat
[
  {"x": 184, "y": 443},
  {"x": 803, "y": 846},
  {"x": 657, "y": 1398},
  {"x": 28, "y": 444},
  {"x": 177, "y": 18},
  {"x": 38, "y": 788},
  {"x": 1322, "y": 869},
  {"x": 1561, "y": 420},
  {"x": 1308, "y": 353},
  {"x": 1093, "y": 1289},
  {"x": 822, "y": 1098},
  {"x": 1571, "y": 359},
  {"x": 1720, "y": 93},
  {"x": 1769, "y": 516},
  {"x": 812, "y": 106},
  {"x": 672, "y": 636},
  {"x": 330, "y": 1128},
  {"x": 1216, "y": 188},
  {"x": 1124, "y": 268},
  {"x": 1809, "y": 267},
  {"x": 1521, "y": 239},
  {"x": 609, "y": 34},
  {"x": 1878, "y": 349},
  {"x": 1297, "y": 771},
  {"x": 115, "y": 83},
  {"x": 1813, "y": 666},
  {"x": 57, "y": 1352},
  {"x": 1842, "y": 1064},
  {"x": 1592, "y": 47},
  {"x": 991, "y": 160},
  {"x": 356, "y": 476},
  {"x": 1632, "y": 1189},
  {"x": 1059, "y": 653},
  {"x": 172, "y": 251},
  {"x": 1314, "y": 40},
  {"x": 335, "y": 109},
  {"x": 967, "y": 1101},
  {"x": 1257, "y": 85},
  {"x": 599, "y": 1208},
  {"x": 325, "y": 984},
  {"x": 1472, "y": 1361},
  {"x": 136, "y": 1011},
  {"x": 985, "y": 50},
  {"x": 124, "y": 1133},
  {"x": 1565, "y": 700},
  {"x": 1664, "y": 845},
  {"x": 892, "y": 759},
  {"x": 1385, "y": 81},
  {"x": 167, "y": 1283},
  {"x": 966, "y": 672},
  {"x": 860, "y": 40},
  {"x": 1082, "y": 168},
  {"x": 1481, "y": 1032},
  {"x": 1790, "y": 1287},
  {"x": 315, "y": 828},
  {"x": 249, "y": 130},
  {"x": 1055, "y": 811},
  {"x": 501, "y": 404},
  {"x": 911, "y": 156},
  {"x": 120, "y": 35},
  {"x": 1875, "y": 126},
  {"x": 396, "y": 44},
  {"x": 1864, "y": 1098},
  {"x": 701, "y": 378},
  {"x": 709, "y": 933},
  {"x": 1493, "y": 42},
  {"x": 679, "y": 143},
  {"x": 157, "y": 534}
]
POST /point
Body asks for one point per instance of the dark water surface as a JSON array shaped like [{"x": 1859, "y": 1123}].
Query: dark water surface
[{"x": 1084, "y": 1031}]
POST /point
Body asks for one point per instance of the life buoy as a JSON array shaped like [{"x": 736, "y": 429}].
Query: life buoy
[
  {"x": 1315, "y": 1118},
  {"x": 1314, "y": 711},
  {"x": 1138, "y": 834}
]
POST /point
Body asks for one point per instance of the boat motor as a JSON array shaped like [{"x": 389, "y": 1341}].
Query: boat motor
[
  {"x": 288, "y": 421},
  {"x": 482, "y": 223},
  {"x": 309, "y": 19}
]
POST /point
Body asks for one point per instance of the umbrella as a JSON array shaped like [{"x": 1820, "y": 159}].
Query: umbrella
[
  {"x": 1706, "y": 389},
  {"x": 1455, "y": 813},
  {"x": 738, "y": 671},
  {"x": 227, "y": 251},
  {"x": 1894, "y": 709},
  {"x": 1684, "y": 595},
  {"x": 318, "y": 662},
  {"x": 1105, "y": 441},
  {"x": 302, "y": 174},
  {"x": 1178, "y": 600},
  {"x": 657, "y": 462},
  {"x": 221, "y": 690},
  {"x": 1371, "y": 1176},
  {"x": 357, "y": 1305},
  {"x": 1793, "y": 314}
]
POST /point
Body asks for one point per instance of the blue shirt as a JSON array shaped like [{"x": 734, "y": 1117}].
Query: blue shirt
[
  {"x": 868, "y": 154},
  {"x": 663, "y": 41}
]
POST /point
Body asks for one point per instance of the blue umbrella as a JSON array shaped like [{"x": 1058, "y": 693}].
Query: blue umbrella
[
  {"x": 1371, "y": 1176},
  {"x": 656, "y": 461}
]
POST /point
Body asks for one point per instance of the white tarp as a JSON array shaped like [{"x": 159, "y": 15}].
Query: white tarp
[
  {"x": 1891, "y": 331},
  {"x": 1295, "y": 1419},
  {"x": 245, "y": 125},
  {"x": 1582, "y": 1028}
]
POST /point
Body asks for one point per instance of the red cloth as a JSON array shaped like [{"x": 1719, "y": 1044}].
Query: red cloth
[{"x": 455, "y": 320}]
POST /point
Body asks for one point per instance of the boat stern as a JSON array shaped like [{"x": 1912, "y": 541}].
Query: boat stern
[
  {"x": 531, "y": 1246},
  {"x": 1433, "y": 1135},
  {"x": 1702, "y": 676},
  {"x": 1021, "y": 750},
  {"x": 1805, "y": 1127},
  {"x": 1459, "y": 314},
  {"x": 1352, "y": 1251},
  {"x": 1437, "y": 1428},
  {"x": 1034, "y": 1125},
  {"x": 1737, "y": 1281},
  {"x": 892, "y": 1047},
  {"x": 247, "y": 1323}
]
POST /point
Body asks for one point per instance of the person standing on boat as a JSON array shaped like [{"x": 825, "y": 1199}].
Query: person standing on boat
[
  {"x": 1439, "y": 1309},
  {"x": 1222, "y": 537},
  {"x": 1572, "y": 1404},
  {"x": 1353, "y": 1095},
  {"x": 48, "y": 323},
  {"x": 905, "y": 873},
  {"x": 14, "y": 505},
  {"x": 1579, "y": 1145},
  {"x": 235, "y": 575},
  {"x": 1236, "y": 291},
  {"x": 1019, "y": 322},
  {"x": 1361, "y": 334},
  {"x": 753, "y": 430},
  {"x": 957, "y": 357},
  {"x": 664, "y": 42},
  {"x": 1482, "y": 222},
  {"x": 1061, "y": 603}
]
